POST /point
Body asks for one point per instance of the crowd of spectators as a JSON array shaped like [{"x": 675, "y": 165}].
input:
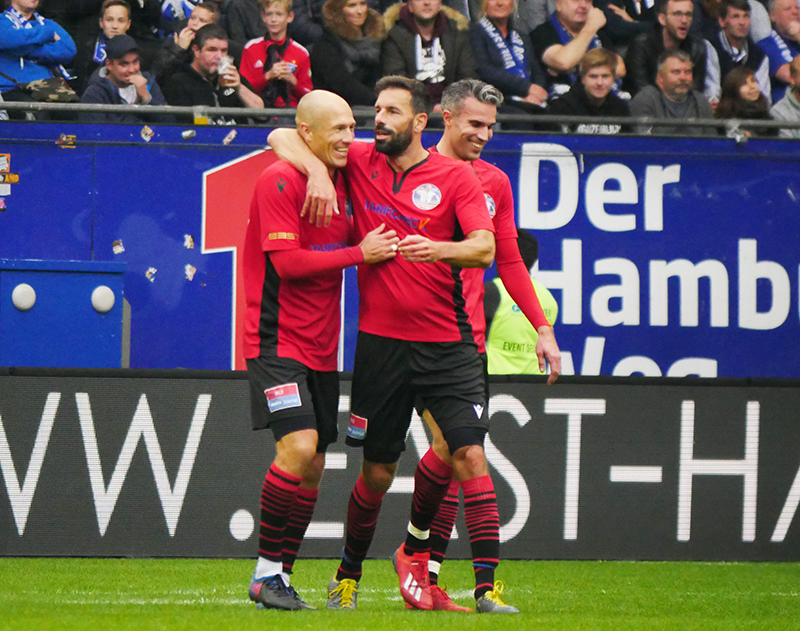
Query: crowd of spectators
[{"x": 660, "y": 59}]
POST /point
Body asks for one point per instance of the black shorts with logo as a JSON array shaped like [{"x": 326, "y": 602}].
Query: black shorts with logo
[
  {"x": 287, "y": 397},
  {"x": 388, "y": 377}
]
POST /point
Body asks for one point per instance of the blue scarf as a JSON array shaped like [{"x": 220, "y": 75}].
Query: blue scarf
[
  {"x": 783, "y": 48},
  {"x": 100, "y": 49},
  {"x": 19, "y": 21},
  {"x": 514, "y": 59}
]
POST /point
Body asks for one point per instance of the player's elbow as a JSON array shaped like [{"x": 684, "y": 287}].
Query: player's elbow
[
  {"x": 485, "y": 255},
  {"x": 278, "y": 138}
]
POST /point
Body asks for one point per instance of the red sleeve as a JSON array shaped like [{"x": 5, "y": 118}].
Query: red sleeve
[
  {"x": 247, "y": 67},
  {"x": 303, "y": 76},
  {"x": 505, "y": 226},
  {"x": 301, "y": 263},
  {"x": 281, "y": 191},
  {"x": 470, "y": 202},
  {"x": 517, "y": 281}
]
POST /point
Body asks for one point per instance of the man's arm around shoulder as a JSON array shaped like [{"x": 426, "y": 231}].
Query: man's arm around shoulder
[{"x": 321, "y": 200}]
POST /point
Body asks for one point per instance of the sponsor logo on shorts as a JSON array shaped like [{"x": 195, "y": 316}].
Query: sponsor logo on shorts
[
  {"x": 358, "y": 427},
  {"x": 283, "y": 397},
  {"x": 490, "y": 205},
  {"x": 426, "y": 196},
  {"x": 478, "y": 410}
]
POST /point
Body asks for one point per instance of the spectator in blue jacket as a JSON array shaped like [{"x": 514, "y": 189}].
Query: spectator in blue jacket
[
  {"x": 121, "y": 82},
  {"x": 31, "y": 48},
  {"x": 505, "y": 57}
]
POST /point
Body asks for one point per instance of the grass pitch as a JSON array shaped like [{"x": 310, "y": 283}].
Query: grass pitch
[{"x": 100, "y": 594}]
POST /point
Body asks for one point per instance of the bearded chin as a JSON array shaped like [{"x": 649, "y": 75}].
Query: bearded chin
[{"x": 396, "y": 145}]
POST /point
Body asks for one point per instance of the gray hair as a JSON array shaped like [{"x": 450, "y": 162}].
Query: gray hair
[
  {"x": 677, "y": 53},
  {"x": 456, "y": 93}
]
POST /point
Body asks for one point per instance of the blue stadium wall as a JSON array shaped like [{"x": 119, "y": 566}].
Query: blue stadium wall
[{"x": 667, "y": 256}]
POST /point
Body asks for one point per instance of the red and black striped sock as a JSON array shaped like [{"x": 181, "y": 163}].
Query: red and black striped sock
[
  {"x": 362, "y": 517},
  {"x": 483, "y": 524},
  {"x": 431, "y": 481},
  {"x": 442, "y": 530},
  {"x": 277, "y": 497},
  {"x": 299, "y": 518}
]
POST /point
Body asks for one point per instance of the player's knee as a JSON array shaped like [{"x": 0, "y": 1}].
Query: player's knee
[
  {"x": 378, "y": 476},
  {"x": 298, "y": 448},
  {"x": 314, "y": 471},
  {"x": 470, "y": 462}
]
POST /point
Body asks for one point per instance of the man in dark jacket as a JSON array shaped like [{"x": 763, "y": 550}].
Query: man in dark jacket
[
  {"x": 203, "y": 83},
  {"x": 426, "y": 45},
  {"x": 176, "y": 48},
  {"x": 671, "y": 33},
  {"x": 592, "y": 95},
  {"x": 121, "y": 82}
]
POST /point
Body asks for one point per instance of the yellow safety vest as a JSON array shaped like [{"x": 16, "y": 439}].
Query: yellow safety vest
[{"x": 511, "y": 342}]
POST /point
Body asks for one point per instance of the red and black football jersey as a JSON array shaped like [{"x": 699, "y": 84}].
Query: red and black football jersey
[
  {"x": 438, "y": 198},
  {"x": 297, "y": 318}
]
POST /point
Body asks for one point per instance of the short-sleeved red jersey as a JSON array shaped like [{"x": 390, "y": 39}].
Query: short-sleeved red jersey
[
  {"x": 296, "y": 318},
  {"x": 438, "y": 198}
]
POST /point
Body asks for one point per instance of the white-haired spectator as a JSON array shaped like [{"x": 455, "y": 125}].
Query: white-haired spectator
[
  {"x": 788, "y": 108},
  {"x": 782, "y": 44}
]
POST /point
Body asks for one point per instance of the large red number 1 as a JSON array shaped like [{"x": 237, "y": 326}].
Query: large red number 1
[{"x": 227, "y": 191}]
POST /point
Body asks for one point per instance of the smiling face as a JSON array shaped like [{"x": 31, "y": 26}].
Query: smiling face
[
  {"x": 394, "y": 121},
  {"x": 330, "y": 137},
  {"x": 355, "y": 12},
  {"x": 121, "y": 70},
  {"x": 469, "y": 128},
  {"x": 749, "y": 90},
  {"x": 115, "y": 21}
]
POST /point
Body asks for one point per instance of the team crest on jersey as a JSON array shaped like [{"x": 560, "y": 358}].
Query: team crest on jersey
[
  {"x": 490, "y": 205},
  {"x": 426, "y": 196}
]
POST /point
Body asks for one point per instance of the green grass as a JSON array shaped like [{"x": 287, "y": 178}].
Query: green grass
[{"x": 99, "y": 594}]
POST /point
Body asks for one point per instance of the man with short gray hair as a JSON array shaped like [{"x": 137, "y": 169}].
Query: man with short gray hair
[
  {"x": 782, "y": 44},
  {"x": 788, "y": 108},
  {"x": 672, "y": 98},
  {"x": 469, "y": 112}
]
